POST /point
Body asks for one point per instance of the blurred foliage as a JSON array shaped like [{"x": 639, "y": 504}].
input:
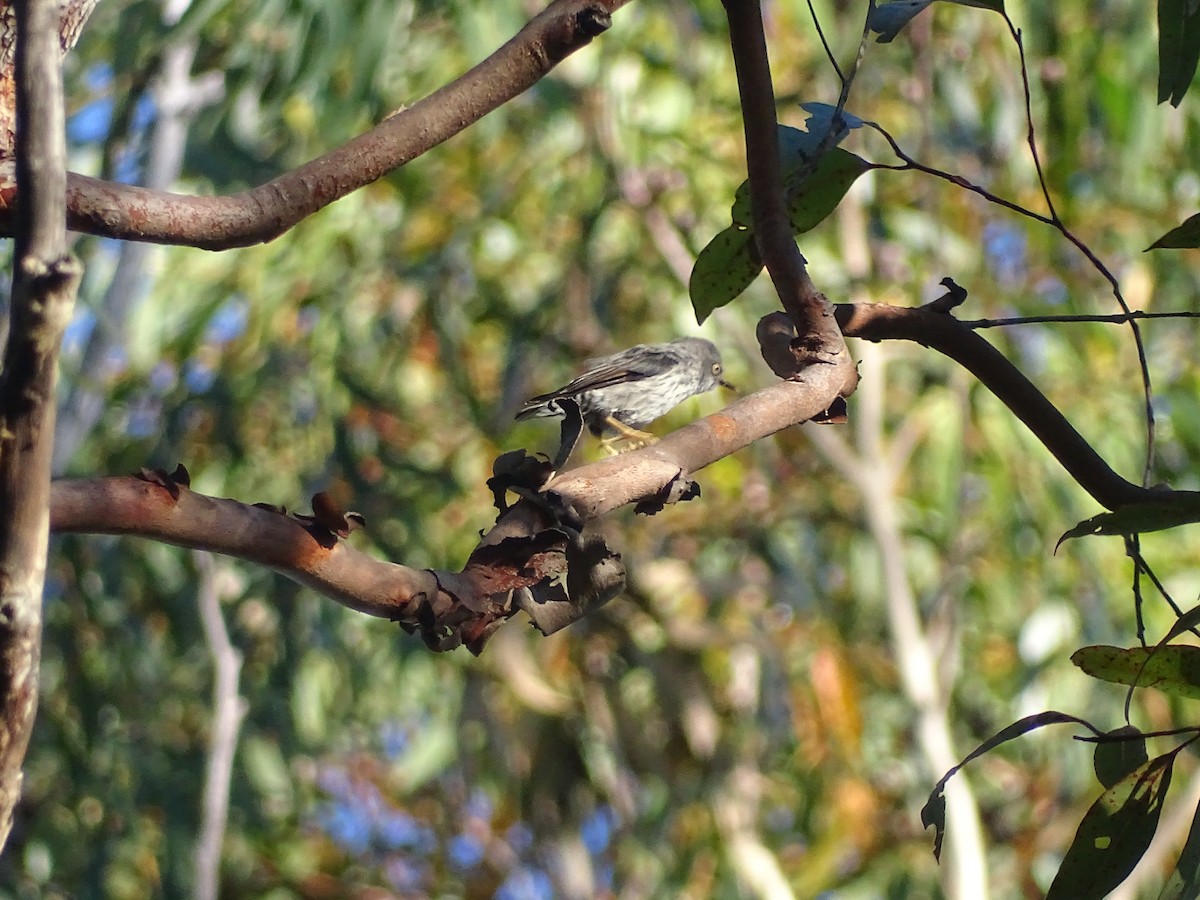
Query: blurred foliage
[{"x": 744, "y": 695}]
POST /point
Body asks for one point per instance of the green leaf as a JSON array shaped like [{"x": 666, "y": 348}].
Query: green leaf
[
  {"x": 1185, "y": 622},
  {"x": 724, "y": 269},
  {"x": 1178, "y": 47},
  {"x": 1138, "y": 518},
  {"x": 1117, "y": 754},
  {"x": 820, "y": 122},
  {"x": 1181, "y": 236},
  {"x": 796, "y": 150},
  {"x": 1184, "y": 883},
  {"x": 888, "y": 19},
  {"x": 1171, "y": 669},
  {"x": 934, "y": 811},
  {"x": 1114, "y": 833},
  {"x": 810, "y": 198},
  {"x": 730, "y": 261}
]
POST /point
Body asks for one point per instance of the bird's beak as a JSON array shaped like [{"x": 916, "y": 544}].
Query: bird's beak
[{"x": 725, "y": 384}]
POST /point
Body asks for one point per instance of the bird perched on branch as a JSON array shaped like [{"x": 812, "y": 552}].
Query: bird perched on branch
[{"x": 629, "y": 390}]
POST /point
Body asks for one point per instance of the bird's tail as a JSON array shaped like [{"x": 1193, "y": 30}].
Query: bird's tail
[{"x": 542, "y": 407}]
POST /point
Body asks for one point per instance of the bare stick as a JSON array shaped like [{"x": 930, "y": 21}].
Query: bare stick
[
  {"x": 812, "y": 11},
  {"x": 1143, "y": 365},
  {"x": 1069, "y": 319},
  {"x": 452, "y": 608}
]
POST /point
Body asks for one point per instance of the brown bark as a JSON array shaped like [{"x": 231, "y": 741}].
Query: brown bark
[
  {"x": 73, "y": 15},
  {"x": 44, "y": 287}
]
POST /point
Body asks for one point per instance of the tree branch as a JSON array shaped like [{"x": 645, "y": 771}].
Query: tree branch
[
  {"x": 530, "y": 544},
  {"x": 265, "y": 212},
  {"x": 44, "y": 285},
  {"x": 526, "y": 548},
  {"x": 942, "y": 332},
  {"x": 168, "y": 511},
  {"x": 805, "y": 305}
]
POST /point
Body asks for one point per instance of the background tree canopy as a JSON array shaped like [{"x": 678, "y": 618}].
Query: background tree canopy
[{"x": 800, "y": 653}]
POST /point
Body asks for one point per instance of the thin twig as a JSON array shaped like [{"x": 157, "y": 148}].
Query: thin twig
[
  {"x": 1056, "y": 220},
  {"x": 956, "y": 180},
  {"x": 1175, "y": 607},
  {"x": 824, "y": 43},
  {"x": 848, "y": 81},
  {"x": 1114, "y": 319},
  {"x": 1030, "y": 132},
  {"x": 1133, "y": 551}
]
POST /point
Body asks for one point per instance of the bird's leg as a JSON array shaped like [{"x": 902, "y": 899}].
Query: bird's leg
[{"x": 630, "y": 437}]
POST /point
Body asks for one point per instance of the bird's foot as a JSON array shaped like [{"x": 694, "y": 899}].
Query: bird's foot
[{"x": 626, "y": 439}]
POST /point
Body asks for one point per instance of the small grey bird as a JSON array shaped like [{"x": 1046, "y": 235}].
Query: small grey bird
[{"x": 630, "y": 389}]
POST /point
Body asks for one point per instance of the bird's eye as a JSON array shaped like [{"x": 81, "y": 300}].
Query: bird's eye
[{"x": 716, "y": 368}]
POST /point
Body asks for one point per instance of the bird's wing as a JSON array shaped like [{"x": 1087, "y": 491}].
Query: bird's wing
[{"x": 634, "y": 364}]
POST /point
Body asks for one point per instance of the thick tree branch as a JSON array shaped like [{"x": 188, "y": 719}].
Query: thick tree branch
[
  {"x": 44, "y": 286},
  {"x": 526, "y": 548},
  {"x": 942, "y": 332},
  {"x": 805, "y": 305},
  {"x": 529, "y": 544},
  {"x": 173, "y": 514},
  {"x": 265, "y": 212},
  {"x": 601, "y": 487}
]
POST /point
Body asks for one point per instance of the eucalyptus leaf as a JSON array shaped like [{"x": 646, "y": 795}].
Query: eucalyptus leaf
[
  {"x": 1114, "y": 833},
  {"x": 820, "y": 122},
  {"x": 1118, "y": 753},
  {"x": 813, "y": 192},
  {"x": 1180, "y": 237},
  {"x": 1138, "y": 518},
  {"x": 934, "y": 811},
  {"x": 815, "y": 198},
  {"x": 796, "y": 150},
  {"x": 888, "y": 19},
  {"x": 1185, "y": 622},
  {"x": 1178, "y": 48},
  {"x": 1184, "y": 882},
  {"x": 724, "y": 268},
  {"x": 1173, "y": 669}
]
